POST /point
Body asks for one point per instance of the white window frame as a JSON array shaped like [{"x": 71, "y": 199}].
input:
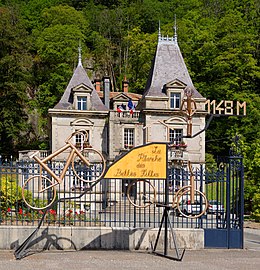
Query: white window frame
[
  {"x": 174, "y": 133},
  {"x": 78, "y": 138},
  {"x": 128, "y": 137},
  {"x": 174, "y": 98},
  {"x": 82, "y": 103}
]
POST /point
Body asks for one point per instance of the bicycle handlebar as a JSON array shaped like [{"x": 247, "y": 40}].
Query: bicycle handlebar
[{"x": 82, "y": 132}]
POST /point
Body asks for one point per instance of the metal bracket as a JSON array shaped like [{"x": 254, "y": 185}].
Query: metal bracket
[
  {"x": 22, "y": 250},
  {"x": 165, "y": 219}
]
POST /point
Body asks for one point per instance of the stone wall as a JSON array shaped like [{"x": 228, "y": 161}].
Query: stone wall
[{"x": 78, "y": 238}]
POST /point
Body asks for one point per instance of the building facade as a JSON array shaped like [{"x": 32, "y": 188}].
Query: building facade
[{"x": 118, "y": 121}]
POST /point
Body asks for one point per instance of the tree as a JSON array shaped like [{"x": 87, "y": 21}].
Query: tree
[
  {"x": 141, "y": 50},
  {"x": 15, "y": 65},
  {"x": 56, "y": 42}
]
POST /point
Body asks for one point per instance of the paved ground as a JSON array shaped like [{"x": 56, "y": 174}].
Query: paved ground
[
  {"x": 252, "y": 239},
  {"x": 219, "y": 259},
  {"x": 112, "y": 260}
]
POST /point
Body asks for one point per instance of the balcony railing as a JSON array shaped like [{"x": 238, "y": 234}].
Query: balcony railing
[
  {"x": 25, "y": 154},
  {"x": 127, "y": 114},
  {"x": 175, "y": 154}
]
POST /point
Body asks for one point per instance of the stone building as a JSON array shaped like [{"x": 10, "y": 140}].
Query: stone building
[{"x": 157, "y": 115}]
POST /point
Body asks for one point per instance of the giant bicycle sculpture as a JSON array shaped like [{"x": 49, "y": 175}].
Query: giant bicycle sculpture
[{"x": 80, "y": 158}]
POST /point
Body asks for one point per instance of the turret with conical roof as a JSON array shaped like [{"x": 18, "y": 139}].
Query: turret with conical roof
[
  {"x": 168, "y": 65},
  {"x": 78, "y": 78},
  {"x": 164, "y": 100}
]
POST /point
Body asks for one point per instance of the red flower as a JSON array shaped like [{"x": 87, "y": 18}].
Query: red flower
[
  {"x": 9, "y": 209},
  {"x": 53, "y": 212},
  {"x": 20, "y": 211}
]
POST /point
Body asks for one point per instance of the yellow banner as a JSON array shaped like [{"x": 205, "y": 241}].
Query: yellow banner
[{"x": 144, "y": 162}]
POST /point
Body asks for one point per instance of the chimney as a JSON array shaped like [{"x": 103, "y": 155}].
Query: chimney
[
  {"x": 106, "y": 89},
  {"x": 125, "y": 84},
  {"x": 97, "y": 83}
]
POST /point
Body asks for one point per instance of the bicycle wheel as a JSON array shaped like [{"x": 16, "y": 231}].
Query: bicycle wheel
[
  {"x": 190, "y": 209},
  {"x": 91, "y": 172},
  {"x": 141, "y": 193},
  {"x": 36, "y": 194}
]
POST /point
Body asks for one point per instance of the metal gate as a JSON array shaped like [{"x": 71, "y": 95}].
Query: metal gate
[
  {"x": 225, "y": 189},
  {"x": 106, "y": 204}
]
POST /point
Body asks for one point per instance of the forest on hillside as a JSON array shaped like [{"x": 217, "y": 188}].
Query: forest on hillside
[{"x": 219, "y": 40}]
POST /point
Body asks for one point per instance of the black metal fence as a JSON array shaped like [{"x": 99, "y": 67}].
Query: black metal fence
[{"x": 106, "y": 204}]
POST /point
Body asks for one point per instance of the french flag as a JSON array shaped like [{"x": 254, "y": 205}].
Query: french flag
[
  {"x": 120, "y": 108},
  {"x": 131, "y": 106}
]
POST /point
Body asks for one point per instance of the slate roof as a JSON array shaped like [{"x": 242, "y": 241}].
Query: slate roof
[
  {"x": 168, "y": 65},
  {"x": 80, "y": 77}
]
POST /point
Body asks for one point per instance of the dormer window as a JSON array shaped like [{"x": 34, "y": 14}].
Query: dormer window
[
  {"x": 174, "y": 91},
  {"x": 81, "y": 103},
  {"x": 82, "y": 97},
  {"x": 175, "y": 100}
]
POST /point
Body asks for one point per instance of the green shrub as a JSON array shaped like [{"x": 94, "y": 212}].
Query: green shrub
[
  {"x": 256, "y": 206},
  {"x": 10, "y": 193},
  {"x": 11, "y": 200}
]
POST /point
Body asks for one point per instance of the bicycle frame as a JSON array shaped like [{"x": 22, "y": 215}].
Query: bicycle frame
[
  {"x": 188, "y": 192},
  {"x": 46, "y": 192},
  {"x": 60, "y": 178}
]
